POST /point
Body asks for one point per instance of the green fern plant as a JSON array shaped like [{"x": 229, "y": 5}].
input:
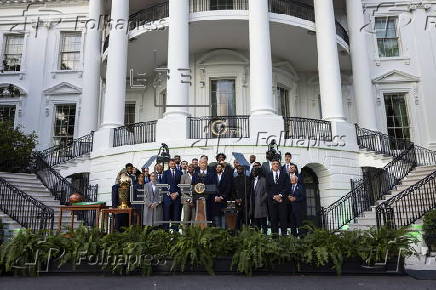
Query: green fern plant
[
  {"x": 255, "y": 250},
  {"x": 196, "y": 246}
]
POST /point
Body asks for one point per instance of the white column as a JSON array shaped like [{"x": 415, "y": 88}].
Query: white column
[
  {"x": 91, "y": 70},
  {"x": 116, "y": 73},
  {"x": 178, "y": 58},
  {"x": 264, "y": 123},
  {"x": 328, "y": 61},
  {"x": 260, "y": 59},
  {"x": 363, "y": 90},
  {"x": 174, "y": 125}
]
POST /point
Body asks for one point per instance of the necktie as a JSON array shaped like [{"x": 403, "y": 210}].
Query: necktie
[
  {"x": 277, "y": 177},
  {"x": 173, "y": 173}
]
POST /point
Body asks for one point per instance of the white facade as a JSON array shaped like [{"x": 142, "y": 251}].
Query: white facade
[{"x": 259, "y": 51}]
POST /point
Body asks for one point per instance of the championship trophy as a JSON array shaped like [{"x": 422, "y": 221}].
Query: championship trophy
[{"x": 124, "y": 191}]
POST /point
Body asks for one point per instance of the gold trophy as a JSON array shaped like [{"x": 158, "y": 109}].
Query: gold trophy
[{"x": 123, "y": 191}]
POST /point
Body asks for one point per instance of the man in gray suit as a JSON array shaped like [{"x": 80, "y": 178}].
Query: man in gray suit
[
  {"x": 188, "y": 205},
  {"x": 153, "y": 202},
  {"x": 259, "y": 197}
]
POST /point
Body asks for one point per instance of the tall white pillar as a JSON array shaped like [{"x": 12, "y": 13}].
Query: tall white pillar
[
  {"x": 178, "y": 58},
  {"x": 116, "y": 73},
  {"x": 261, "y": 97},
  {"x": 328, "y": 61},
  {"x": 264, "y": 123},
  {"x": 174, "y": 124},
  {"x": 91, "y": 70},
  {"x": 361, "y": 71}
]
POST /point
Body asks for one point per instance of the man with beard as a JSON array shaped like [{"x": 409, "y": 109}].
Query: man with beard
[{"x": 241, "y": 194}]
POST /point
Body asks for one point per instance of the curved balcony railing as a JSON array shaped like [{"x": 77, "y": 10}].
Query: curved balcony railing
[
  {"x": 213, "y": 127},
  {"x": 287, "y": 7},
  {"x": 138, "y": 133},
  {"x": 63, "y": 153},
  {"x": 304, "y": 128}
]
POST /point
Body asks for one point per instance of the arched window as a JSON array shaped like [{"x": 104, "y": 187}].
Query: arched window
[{"x": 313, "y": 204}]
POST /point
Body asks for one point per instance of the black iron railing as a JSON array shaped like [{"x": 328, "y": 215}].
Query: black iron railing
[
  {"x": 24, "y": 209},
  {"x": 381, "y": 143},
  {"x": 138, "y": 133},
  {"x": 63, "y": 153},
  {"x": 287, "y": 7},
  {"x": 364, "y": 195},
  {"x": 148, "y": 15},
  {"x": 409, "y": 205},
  {"x": 61, "y": 188},
  {"x": 219, "y": 127},
  {"x": 303, "y": 128},
  {"x": 208, "y": 5}
]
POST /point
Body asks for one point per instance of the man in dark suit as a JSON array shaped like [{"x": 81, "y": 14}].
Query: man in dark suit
[
  {"x": 171, "y": 203},
  {"x": 288, "y": 163},
  {"x": 219, "y": 199},
  {"x": 206, "y": 176},
  {"x": 277, "y": 184},
  {"x": 296, "y": 197},
  {"x": 241, "y": 194},
  {"x": 158, "y": 168}
]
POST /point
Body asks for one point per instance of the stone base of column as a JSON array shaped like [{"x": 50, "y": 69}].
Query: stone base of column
[
  {"x": 173, "y": 127},
  {"x": 344, "y": 134},
  {"x": 103, "y": 139},
  {"x": 265, "y": 128}
]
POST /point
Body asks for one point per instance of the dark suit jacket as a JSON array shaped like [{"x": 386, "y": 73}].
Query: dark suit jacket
[
  {"x": 173, "y": 182},
  {"x": 284, "y": 167},
  {"x": 282, "y": 187},
  {"x": 300, "y": 195},
  {"x": 209, "y": 179},
  {"x": 223, "y": 189}
]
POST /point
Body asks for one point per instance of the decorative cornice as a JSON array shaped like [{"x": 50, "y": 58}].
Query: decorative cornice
[
  {"x": 63, "y": 89},
  {"x": 395, "y": 76}
]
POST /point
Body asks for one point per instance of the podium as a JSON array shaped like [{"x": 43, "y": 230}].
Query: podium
[
  {"x": 231, "y": 214},
  {"x": 199, "y": 193}
]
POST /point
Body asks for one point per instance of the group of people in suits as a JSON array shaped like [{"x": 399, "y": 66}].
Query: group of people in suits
[{"x": 262, "y": 192}]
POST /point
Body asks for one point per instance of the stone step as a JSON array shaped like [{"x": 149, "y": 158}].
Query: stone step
[
  {"x": 24, "y": 182},
  {"x": 49, "y": 203},
  {"x": 425, "y": 168},
  {"x": 18, "y": 176},
  {"x": 28, "y": 189}
]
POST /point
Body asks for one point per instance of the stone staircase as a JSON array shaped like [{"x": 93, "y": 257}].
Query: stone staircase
[
  {"x": 9, "y": 226},
  {"x": 31, "y": 185},
  {"x": 368, "y": 218}
]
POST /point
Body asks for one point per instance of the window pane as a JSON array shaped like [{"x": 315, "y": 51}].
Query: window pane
[
  {"x": 283, "y": 102},
  {"x": 70, "y": 51},
  {"x": 396, "y": 117},
  {"x": 129, "y": 114},
  {"x": 223, "y": 97},
  {"x": 13, "y": 52},
  {"x": 387, "y": 38},
  {"x": 7, "y": 114},
  {"x": 65, "y": 116}
]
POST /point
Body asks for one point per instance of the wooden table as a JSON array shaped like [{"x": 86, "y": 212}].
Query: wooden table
[
  {"x": 72, "y": 208},
  {"x": 130, "y": 211}
]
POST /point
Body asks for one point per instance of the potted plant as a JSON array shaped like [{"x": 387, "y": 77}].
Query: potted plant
[{"x": 429, "y": 228}]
